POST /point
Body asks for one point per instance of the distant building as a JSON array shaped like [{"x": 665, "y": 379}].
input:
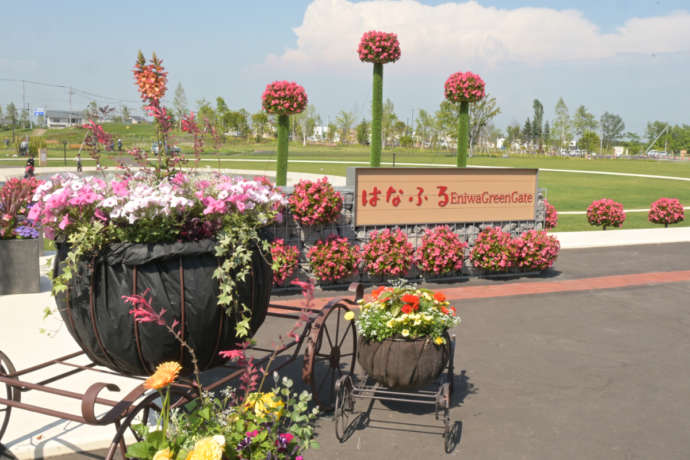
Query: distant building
[
  {"x": 499, "y": 142},
  {"x": 619, "y": 150},
  {"x": 63, "y": 118}
]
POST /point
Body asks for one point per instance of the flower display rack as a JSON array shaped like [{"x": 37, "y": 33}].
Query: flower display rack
[
  {"x": 438, "y": 394},
  {"x": 330, "y": 347}
]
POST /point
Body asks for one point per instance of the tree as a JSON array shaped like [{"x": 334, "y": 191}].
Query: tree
[
  {"x": 1, "y": 116},
  {"x": 589, "y": 141},
  {"x": 223, "y": 116},
  {"x": 612, "y": 128},
  {"x": 24, "y": 118},
  {"x": 654, "y": 130},
  {"x": 331, "y": 130},
  {"x": 91, "y": 111},
  {"x": 583, "y": 121},
  {"x": 179, "y": 103},
  {"x": 537, "y": 122},
  {"x": 363, "y": 132},
  {"x": 306, "y": 121},
  {"x": 481, "y": 114},
  {"x": 344, "y": 121},
  {"x": 447, "y": 120},
  {"x": 512, "y": 134},
  {"x": 634, "y": 143},
  {"x": 561, "y": 125},
  {"x": 425, "y": 128},
  {"x": 526, "y": 134},
  {"x": 259, "y": 123},
  {"x": 205, "y": 112},
  {"x": 547, "y": 134},
  {"x": 12, "y": 115},
  {"x": 125, "y": 113},
  {"x": 388, "y": 118}
]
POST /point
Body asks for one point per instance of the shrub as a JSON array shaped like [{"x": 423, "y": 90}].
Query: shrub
[
  {"x": 551, "y": 219},
  {"x": 666, "y": 211},
  {"x": 285, "y": 260},
  {"x": 605, "y": 212},
  {"x": 315, "y": 202},
  {"x": 333, "y": 259},
  {"x": 493, "y": 250},
  {"x": 535, "y": 250},
  {"x": 388, "y": 253},
  {"x": 441, "y": 251}
]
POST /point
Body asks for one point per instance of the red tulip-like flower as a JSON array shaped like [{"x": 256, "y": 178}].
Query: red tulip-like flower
[
  {"x": 464, "y": 87},
  {"x": 284, "y": 98},
  {"x": 379, "y": 47}
]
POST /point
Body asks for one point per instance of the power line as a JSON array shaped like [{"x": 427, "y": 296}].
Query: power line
[{"x": 71, "y": 88}]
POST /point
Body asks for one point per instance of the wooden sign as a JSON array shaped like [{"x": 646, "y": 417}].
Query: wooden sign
[{"x": 395, "y": 196}]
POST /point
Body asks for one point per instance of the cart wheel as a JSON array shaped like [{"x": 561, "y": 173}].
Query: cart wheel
[
  {"x": 330, "y": 354},
  {"x": 144, "y": 413},
  {"x": 11, "y": 393},
  {"x": 344, "y": 406}
]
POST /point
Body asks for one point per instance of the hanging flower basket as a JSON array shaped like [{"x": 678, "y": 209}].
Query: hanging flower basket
[{"x": 179, "y": 278}]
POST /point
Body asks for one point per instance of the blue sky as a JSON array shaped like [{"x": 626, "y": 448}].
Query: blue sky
[{"x": 625, "y": 57}]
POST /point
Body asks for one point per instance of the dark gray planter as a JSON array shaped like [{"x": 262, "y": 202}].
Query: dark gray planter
[{"x": 19, "y": 271}]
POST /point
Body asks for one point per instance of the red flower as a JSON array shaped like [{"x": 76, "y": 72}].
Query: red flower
[
  {"x": 407, "y": 309},
  {"x": 440, "y": 297},
  {"x": 410, "y": 298},
  {"x": 445, "y": 310},
  {"x": 377, "y": 292},
  {"x": 453, "y": 309}
]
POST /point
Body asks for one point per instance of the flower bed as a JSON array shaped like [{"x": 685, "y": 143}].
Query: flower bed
[
  {"x": 388, "y": 253},
  {"x": 333, "y": 259},
  {"x": 315, "y": 202},
  {"x": 493, "y": 250},
  {"x": 535, "y": 250},
  {"x": 441, "y": 251}
]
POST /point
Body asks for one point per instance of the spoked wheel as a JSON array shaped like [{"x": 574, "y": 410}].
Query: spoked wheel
[
  {"x": 10, "y": 392},
  {"x": 344, "y": 406},
  {"x": 330, "y": 354},
  {"x": 146, "y": 413}
]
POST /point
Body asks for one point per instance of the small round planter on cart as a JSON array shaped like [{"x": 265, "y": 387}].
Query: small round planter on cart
[
  {"x": 179, "y": 279},
  {"x": 402, "y": 364}
]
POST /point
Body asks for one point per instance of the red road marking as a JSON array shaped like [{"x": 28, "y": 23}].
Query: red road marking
[{"x": 540, "y": 287}]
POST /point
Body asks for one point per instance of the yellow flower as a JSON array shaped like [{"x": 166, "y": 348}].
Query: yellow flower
[
  {"x": 207, "y": 449},
  {"x": 389, "y": 323},
  {"x": 165, "y": 374},
  {"x": 350, "y": 315},
  {"x": 405, "y": 332},
  {"x": 163, "y": 454},
  {"x": 265, "y": 404},
  {"x": 439, "y": 340}
]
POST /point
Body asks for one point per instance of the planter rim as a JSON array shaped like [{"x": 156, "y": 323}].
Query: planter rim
[{"x": 399, "y": 339}]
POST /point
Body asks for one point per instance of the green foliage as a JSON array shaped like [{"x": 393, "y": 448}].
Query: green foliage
[
  {"x": 589, "y": 141},
  {"x": 583, "y": 121},
  {"x": 363, "y": 133},
  {"x": 282, "y": 163},
  {"x": 376, "y": 114},
  {"x": 612, "y": 128},
  {"x": 463, "y": 134}
]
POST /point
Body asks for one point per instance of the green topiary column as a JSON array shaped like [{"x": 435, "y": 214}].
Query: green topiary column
[
  {"x": 281, "y": 164},
  {"x": 376, "y": 114},
  {"x": 463, "y": 133}
]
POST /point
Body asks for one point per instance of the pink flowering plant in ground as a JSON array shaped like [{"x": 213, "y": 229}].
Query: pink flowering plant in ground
[
  {"x": 464, "y": 87},
  {"x": 605, "y": 213},
  {"x": 285, "y": 260},
  {"x": 666, "y": 211},
  {"x": 284, "y": 98},
  {"x": 440, "y": 252},
  {"x": 333, "y": 259},
  {"x": 493, "y": 250},
  {"x": 16, "y": 200},
  {"x": 315, "y": 202},
  {"x": 551, "y": 218},
  {"x": 388, "y": 253},
  {"x": 535, "y": 250},
  {"x": 379, "y": 47}
]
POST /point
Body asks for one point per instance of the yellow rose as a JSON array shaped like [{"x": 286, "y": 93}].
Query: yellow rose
[
  {"x": 265, "y": 404},
  {"x": 206, "y": 449},
  {"x": 350, "y": 315},
  {"x": 163, "y": 454},
  {"x": 439, "y": 340}
]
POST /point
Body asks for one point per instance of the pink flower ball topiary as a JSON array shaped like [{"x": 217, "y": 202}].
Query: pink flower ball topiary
[
  {"x": 284, "y": 98},
  {"x": 379, "y": 47},
  {"x": 605, "y": 213},
  {"x": 551, "y": 218},
  {"x": 666, "y": 211},
  {"x": 464, "y": 87},
  {"x": 315, "y": 202}
]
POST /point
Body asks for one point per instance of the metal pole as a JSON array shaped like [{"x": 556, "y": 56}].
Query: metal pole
[{"x": 64, "y": 151}]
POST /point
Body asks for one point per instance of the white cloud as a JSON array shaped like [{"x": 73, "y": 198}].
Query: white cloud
[{"x": 468, "y": 33}]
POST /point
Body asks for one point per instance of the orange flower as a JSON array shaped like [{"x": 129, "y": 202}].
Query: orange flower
[
  {"x": 165, "y": 374},
  {"x": 445, "y": 310},
  {"x": 440, "y": 297},
  {"x": 376, "y": 292}
]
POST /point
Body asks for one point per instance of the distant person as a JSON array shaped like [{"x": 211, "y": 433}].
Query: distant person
[
  {"x": 119, "y": 145},
  {"x": 29, "y": 169},
  {"x": 23, "y": 147},
  {"x": 78, "y": 162},
  {"x": 7, "y": 142}
]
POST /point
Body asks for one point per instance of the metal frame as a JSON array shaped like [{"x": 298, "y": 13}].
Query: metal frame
[
  {"x": 348, "y": 390},
  {"x": 121, "y": 412}
]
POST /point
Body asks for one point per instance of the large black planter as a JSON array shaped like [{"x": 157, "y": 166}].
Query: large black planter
[
  {"x": 179, "y": 277},
  {"x": 19, "y": 270},
  {"x": 402, "y": 364}
]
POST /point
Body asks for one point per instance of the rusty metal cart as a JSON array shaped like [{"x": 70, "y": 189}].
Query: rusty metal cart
[{"x": 330, "y": 347}]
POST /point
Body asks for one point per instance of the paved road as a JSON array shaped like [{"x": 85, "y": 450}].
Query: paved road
[{"x": 591, "y": 374}]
